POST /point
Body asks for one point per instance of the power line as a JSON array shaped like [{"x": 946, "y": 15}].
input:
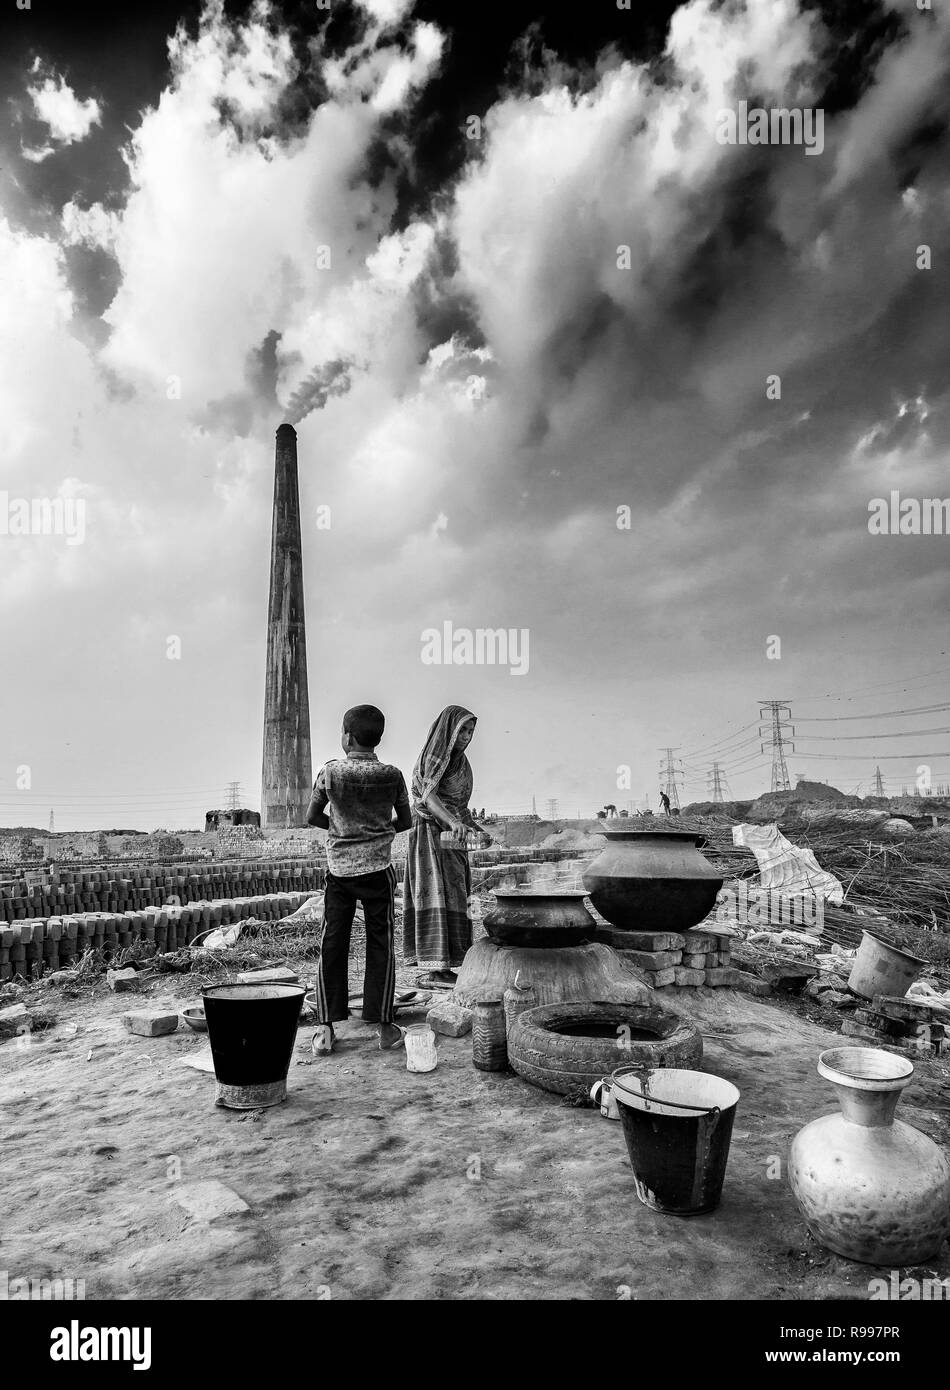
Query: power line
[
  {"x": 731, "y": 751},
  {"x": 884, "y": 685},
  {"x": 746, "y": 757},
  {"x": 45, "y": 795},
  {"x": 882, "y": 757},
  {"x": 708, "y": 747},
  {"x": 897, "y": 733},
  {"x": 880, "y": 714}
]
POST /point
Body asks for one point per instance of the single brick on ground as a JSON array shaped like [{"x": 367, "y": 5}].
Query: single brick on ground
[
  {"x": 450, "y": 1019},
  {"x": 15, "y": 1019},
  {"x": 752, "y": 984},
  {"x": 122, "y": 981},
  {"x": 150, "y": 1023}
]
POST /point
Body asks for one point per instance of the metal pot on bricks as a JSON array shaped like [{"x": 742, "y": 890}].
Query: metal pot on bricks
[{"x": 652, "y": 880}]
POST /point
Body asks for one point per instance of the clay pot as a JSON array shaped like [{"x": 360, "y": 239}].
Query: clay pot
[
  {"x": 870, "y": 1187},
  {"x": 652, "y": 880},
  {"x": 539, "y": 917}
]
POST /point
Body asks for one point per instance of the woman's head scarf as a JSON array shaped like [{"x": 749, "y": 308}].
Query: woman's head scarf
[{"x": 437, "y": 751}]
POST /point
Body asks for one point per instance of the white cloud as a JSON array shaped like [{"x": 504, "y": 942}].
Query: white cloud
[
  {"x": 56, "y": 104},
  {"x": 403, "y": 75},
  {"x": 38, "y": 154},
  {"x": 386, "y": 13},
  {"x": 35, "y": 346},
  {"x": 92, "y": 226},
  {"x": 220, "y": 240}
]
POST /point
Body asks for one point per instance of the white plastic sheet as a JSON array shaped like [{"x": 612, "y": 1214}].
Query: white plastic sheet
[{"x": 785, "y": 867}]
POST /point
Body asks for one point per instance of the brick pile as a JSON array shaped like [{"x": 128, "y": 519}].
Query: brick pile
[
  {"x": 29, "y": 948},
  {"x": 690, "y": 959},
  {"x": 906, "y": 1025},
  {"x": 75, "y": 891}
]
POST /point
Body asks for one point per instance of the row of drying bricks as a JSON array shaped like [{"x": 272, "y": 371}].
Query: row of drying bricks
[
  {"x": 99, "y": 892},
  {"x": 27, "y": 949},
  {"x": 78, "y": 891}
]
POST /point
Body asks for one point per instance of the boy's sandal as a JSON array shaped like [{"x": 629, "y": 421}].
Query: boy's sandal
[
  {"x": 396, "y": 1042},
  {"x": 320, "y": 1044}
]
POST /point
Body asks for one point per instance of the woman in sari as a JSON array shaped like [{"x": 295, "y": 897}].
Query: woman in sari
[{"x": 437, "y": 922}]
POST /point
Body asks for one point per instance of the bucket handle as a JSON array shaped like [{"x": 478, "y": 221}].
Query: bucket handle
[
  {"x": 675, "y": 1104},
  {"x": 681, "y": 1105}
]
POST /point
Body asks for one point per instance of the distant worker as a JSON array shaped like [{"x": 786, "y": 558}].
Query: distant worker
[{"x": 665, "y": 803}]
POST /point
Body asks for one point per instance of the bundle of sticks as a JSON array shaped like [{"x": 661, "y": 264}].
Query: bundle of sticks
[{"x": 906, "y": 880}]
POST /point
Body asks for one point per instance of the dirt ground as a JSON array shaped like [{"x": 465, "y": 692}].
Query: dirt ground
[{"x": 372, "y": 1182}]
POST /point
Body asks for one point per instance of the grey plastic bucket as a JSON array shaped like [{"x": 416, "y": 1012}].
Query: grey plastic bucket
[{"x": 882, "y": 968}]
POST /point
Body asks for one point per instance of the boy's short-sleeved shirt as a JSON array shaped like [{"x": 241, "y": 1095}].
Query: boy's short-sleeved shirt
[{"x": 358, "y": 794}]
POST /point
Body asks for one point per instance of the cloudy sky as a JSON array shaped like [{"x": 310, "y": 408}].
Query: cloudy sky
[{"x": 399, "y": 227}]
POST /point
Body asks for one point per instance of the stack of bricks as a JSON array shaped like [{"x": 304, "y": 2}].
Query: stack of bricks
[
  {"x": 125, "y": 888},
  {"x": 700, "y": 956},
  {"x": 122, "y": 890},
  {"x": 904, "y": 1025},
  {"x": 27, "y": 949}
]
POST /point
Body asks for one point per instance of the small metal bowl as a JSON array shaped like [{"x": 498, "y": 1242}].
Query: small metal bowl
[{"x": 195, "y": 1018}]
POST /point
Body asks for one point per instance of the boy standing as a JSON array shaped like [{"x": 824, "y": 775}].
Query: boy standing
[{"x": 354, "y": 799}]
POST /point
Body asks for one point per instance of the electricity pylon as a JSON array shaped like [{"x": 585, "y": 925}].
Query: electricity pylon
[
  {"x": 779, "y": 713},
  {"x": 717, "y": 777},
  {"x": 669, "y": 775}
]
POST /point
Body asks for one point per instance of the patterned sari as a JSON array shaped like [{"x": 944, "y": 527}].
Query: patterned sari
[{"x": 437, "y": 921}]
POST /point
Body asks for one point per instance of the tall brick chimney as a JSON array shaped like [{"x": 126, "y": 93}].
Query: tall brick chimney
[{"x": 287, "y": 773}]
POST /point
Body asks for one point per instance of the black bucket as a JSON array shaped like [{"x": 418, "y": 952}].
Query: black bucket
[
  {"x": 252, "y": 1030},
  {"x": 678, "y": 1126}
]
